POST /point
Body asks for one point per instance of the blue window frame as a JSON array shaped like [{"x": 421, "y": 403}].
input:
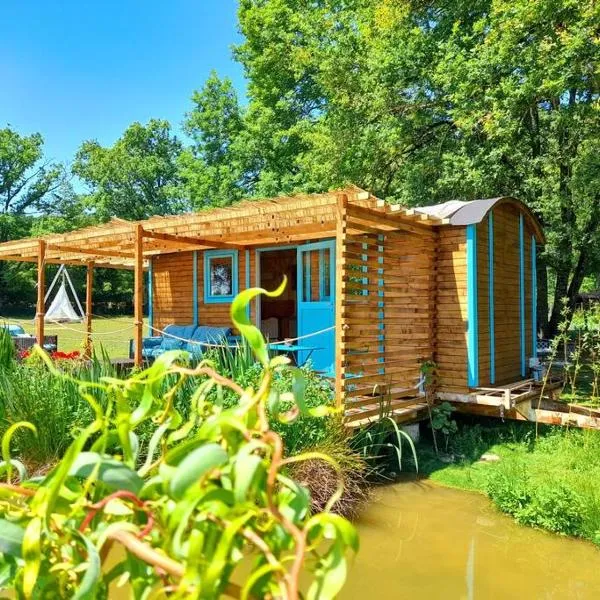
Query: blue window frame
[{"x": 220, "y": 276}]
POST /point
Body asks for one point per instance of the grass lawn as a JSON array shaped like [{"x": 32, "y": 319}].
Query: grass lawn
[
  {"x": 112, "y": 333},
  {"x": 551, "y": 482}
]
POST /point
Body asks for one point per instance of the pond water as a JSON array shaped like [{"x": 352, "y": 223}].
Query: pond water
[{"x": 422, "y": 541}]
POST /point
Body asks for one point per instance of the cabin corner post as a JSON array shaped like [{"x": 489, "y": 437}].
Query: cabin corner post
[
  {"x": 41, "y": 288},
  {"x": 138, "y": 297},
  {"x": 340, "y": 272},
  {"x": 89, "y": 283}
]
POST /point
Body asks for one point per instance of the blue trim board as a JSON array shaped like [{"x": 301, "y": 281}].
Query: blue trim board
[
  {"x": 247, "y": 284},
  {"x": 522, "y": 293},
  {"x": 472, "y": 317},
  {"x": 491, "y": 291},
  {"x": 534, "y": 296},
  {"x": 210, "y": 254},
  {"x": 195, "y": 318},
  {"x": 150, "y": 299}
]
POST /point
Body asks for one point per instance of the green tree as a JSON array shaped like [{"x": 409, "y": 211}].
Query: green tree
[
  {"x": 423, "y": 102},
  {"x": 135, "y": 178},
  {"x": 27, "y": 180},
  {"x": 213, "y": 168},
  {"x": 522, "y": 90}
]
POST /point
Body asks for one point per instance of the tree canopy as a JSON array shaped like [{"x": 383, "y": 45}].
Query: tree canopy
[
  {"x": 418, "y": 102},
  {"x": 26, "y": 179},
  {"x": 135, "y": 178}
]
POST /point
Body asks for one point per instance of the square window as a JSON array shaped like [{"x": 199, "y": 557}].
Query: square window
[{"x": 220, "y": 275}]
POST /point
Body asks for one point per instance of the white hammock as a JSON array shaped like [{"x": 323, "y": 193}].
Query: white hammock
[{"x": 61, "y": 310}]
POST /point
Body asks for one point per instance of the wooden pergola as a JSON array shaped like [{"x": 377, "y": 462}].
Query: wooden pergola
[{"x": 122, "y": 244}]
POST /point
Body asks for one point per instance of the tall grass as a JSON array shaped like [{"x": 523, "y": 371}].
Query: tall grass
[
  {"x": 8, "y": 351},
  {"x": 29, "y": 392}
]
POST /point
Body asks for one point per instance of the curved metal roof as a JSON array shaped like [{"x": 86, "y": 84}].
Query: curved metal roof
[{"x": 458, "y": 212}]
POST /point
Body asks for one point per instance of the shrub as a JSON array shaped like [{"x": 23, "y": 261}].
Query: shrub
[
  {"x": 210, "y": 494},
  {"x": 321, "y": 478},
  {"x": 556, "y": 508},
  {"x": 552, "y": 506}
]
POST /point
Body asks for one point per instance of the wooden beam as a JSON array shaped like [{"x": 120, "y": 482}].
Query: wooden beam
[
  {"x": 128, "y": 266},
  {"x": 189, "y": 241},
  {"x": 89, "y": 282},
  {"x": 89, "y": 251},
  {"x": 41, "y": 291},
  {"x": 384, "y": 221},
  {"x": 138, "y": 297},
  {"x": 340, "y": 268}
]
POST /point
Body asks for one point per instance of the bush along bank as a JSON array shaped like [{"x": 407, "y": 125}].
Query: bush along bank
[{"x": 550, "y": 481}]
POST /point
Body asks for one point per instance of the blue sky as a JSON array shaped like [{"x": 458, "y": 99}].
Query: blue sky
[{"x": 85, "y": 69}]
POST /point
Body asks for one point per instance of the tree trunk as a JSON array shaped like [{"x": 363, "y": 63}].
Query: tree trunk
[
  {"x": 560, "y": 292},
  {"x": 542, "y": 296}
]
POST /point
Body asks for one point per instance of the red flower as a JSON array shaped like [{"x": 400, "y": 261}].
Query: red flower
[{"x": 59, "y": 355}]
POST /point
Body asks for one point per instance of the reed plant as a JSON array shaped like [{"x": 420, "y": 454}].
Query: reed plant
[
  {"x": 210, "y": 512},
  {"x": 30, "y": 392}
]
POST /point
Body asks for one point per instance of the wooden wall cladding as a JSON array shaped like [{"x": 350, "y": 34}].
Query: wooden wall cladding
[
  {"x": 173, "y": 290},
  {"x": 507, "y": 296},
  {"x": 451, "y": 354},
  {"x": 388, "y": 315}
]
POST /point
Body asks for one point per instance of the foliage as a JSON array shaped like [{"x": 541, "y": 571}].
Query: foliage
[
  {"x": 32, "y": 393},
  {"x": 441, "y": 420},
  {"x": 426, "y": 100},
  {"x": 137, "y": 177},
  {"x": 380, "y": 445},
  {"x": 321, "y": 479},
  {"x": 180, "y": 515},
  {"x": 26, "y": 180},
  {"x": 7, "y": 350},
  {"x": 550, "y": 482},
  {"x": 556, "y": 508},
  {"x": 211, "y": 177},
  {"x": 576, "y": 349},
  {"x": 306, "y": 431}
]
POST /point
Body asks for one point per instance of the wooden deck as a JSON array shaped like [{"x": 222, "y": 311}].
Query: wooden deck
[{"x": 526, "y": 400}]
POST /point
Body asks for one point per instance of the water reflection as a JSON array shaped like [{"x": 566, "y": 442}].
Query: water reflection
[{"x": 421, "y": 541}]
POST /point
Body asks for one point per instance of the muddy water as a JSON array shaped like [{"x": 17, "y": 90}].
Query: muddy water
[{"x": 422, "y": 541}]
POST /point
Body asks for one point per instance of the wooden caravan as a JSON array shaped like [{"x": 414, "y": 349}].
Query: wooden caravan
[{"x": 375, "y": 290}]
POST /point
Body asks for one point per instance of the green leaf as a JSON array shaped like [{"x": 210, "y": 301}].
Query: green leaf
[
  {"x": 18, "y": 465},
  {"x": 6, "y": 439},
  {"x": 114, "y": 474},
  {"x": 32, "y": 555},
  {"x": 242, "y": 322},
  {"x": 247, "y": 468},
  {"x": 91, "y": 578},
  {"x": 330, "y": 575},
  {"x": 11, "y": 538},
  {"x": 194, "y": 466}
]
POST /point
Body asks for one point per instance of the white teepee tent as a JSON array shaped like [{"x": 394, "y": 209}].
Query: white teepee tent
[{"x": 61, "y": 310}]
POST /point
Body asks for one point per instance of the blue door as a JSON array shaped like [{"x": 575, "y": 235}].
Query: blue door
[{"x": 316, "y": 312}]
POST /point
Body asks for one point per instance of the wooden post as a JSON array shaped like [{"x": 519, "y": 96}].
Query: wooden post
[
  {"x": 138, "y": 297},
  {"x": 340, "y": 271},
  {"x": 41, "y": 292},
  {"x": 89, "y": 282}
]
